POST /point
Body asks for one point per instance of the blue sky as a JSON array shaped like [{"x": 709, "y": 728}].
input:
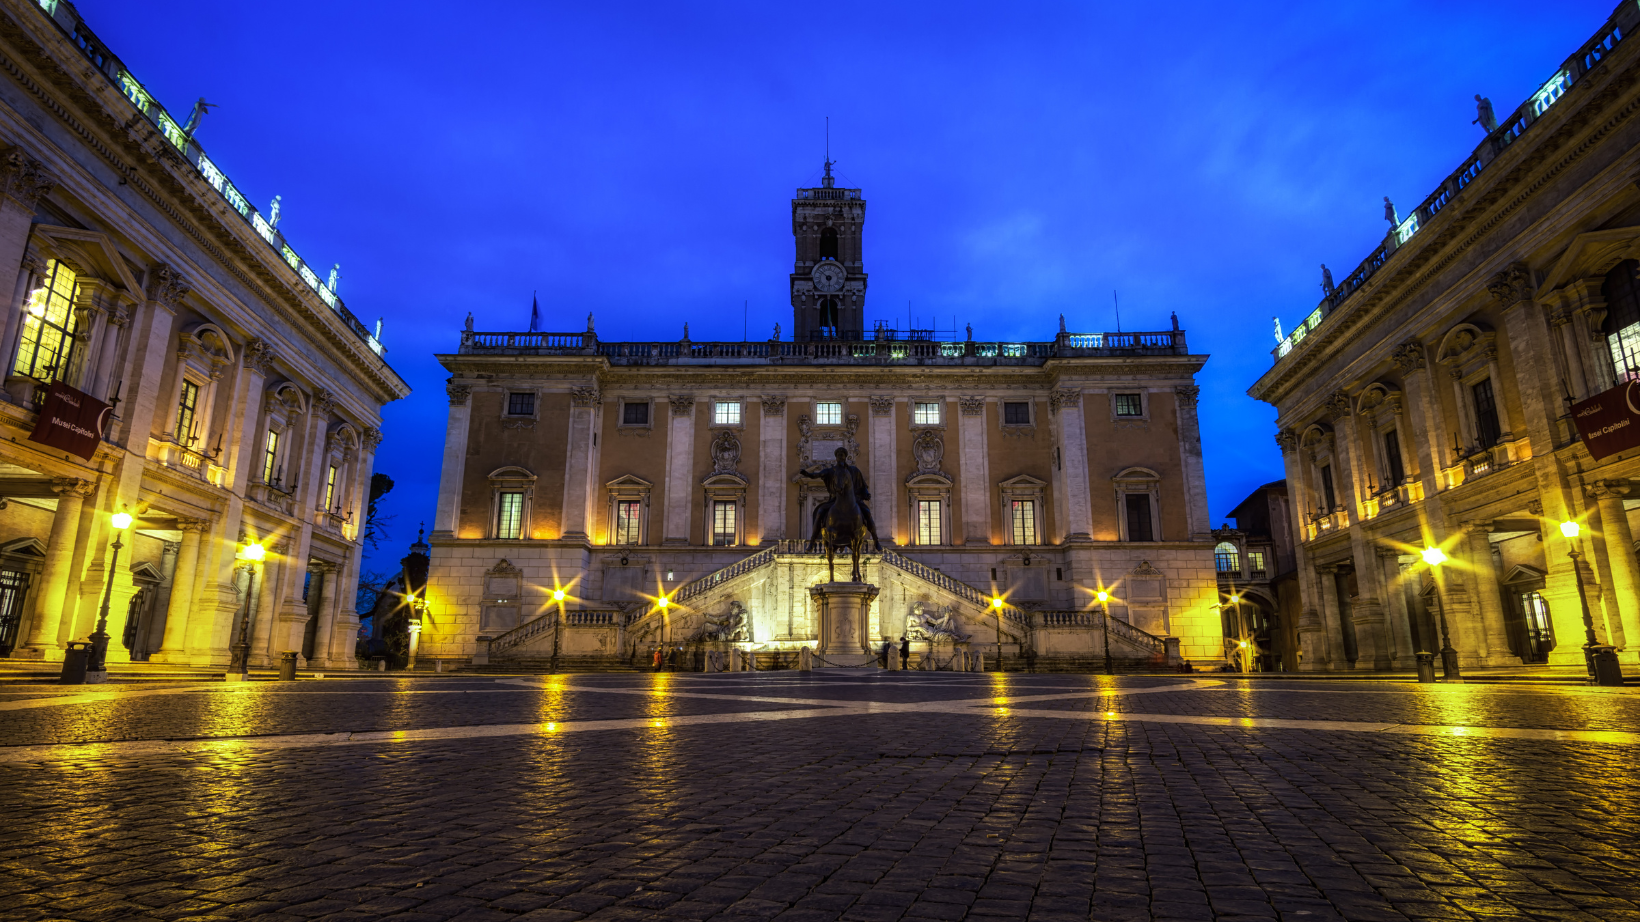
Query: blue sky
[{"x": 636, "y": 161}]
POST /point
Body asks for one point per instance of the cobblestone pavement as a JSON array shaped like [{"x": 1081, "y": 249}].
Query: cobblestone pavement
[{"x": 816, "y": 797}]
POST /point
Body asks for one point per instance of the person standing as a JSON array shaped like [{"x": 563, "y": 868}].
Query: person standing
[{"x": 905, "y": 653}]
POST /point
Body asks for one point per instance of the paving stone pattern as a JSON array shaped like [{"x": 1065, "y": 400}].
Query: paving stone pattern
[{"x": 896, "y": 815}]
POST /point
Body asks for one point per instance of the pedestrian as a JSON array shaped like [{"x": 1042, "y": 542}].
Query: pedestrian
[
  {"x": 884, "y": 652},
  {"x": 657, "y": 659},
  {"x": 1030, "y": 659},
  {"x": 905, "y": 653}
]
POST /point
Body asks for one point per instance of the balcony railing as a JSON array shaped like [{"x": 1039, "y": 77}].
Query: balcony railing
[
  {"x": 1625, "y": 19},
  {"x": 183, "y": 146},
  {"x": 841, "y": 352}
]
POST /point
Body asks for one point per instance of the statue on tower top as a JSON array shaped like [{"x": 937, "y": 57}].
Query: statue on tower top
[{"x": 827, "y": 181}]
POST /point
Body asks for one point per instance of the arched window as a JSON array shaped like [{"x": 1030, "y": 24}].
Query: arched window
[
  {"x": 1622, "y": 325},
  {"x": 828, "y": 317},
  {"x": 1228, "y": 557},
  {"x": 828, "y": 243}
]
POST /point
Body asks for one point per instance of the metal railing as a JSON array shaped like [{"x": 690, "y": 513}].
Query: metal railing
[{"x": 1622, "y": 21}]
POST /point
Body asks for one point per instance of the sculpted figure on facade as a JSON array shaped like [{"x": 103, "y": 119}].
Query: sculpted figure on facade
[
  {"x": 929, "y": 450},
  {"x": 934, "y": 623},
  {"x": 725, "y": 453}
]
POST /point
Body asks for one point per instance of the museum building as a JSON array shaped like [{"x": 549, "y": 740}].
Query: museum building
[
  {"x": 242, "y": 397},
  {"x": 1445, "y": 487},
  {"x": 599, "y": 498}
]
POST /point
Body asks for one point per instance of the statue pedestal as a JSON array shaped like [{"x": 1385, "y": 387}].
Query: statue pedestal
[{"x": 845, "y": 620}]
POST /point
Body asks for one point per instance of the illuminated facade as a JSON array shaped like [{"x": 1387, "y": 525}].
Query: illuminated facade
[
  {"x": 246, "y": 398},
  {"x": 1426, "y": 401},
  {"x": 627, "y": 472}
]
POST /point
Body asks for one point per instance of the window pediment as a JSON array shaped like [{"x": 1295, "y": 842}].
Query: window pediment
[{"x": 512, "y": 474}]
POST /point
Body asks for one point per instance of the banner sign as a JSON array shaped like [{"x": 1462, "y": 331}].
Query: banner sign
[
  {"x": 1610, "y": 422},
  {"x": 71, "y": 420}
]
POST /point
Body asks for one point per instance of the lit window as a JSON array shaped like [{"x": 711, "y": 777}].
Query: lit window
[
  {"x": 926, "y": 413},
  {"x": 509, "y": 518},
  {"x": 723, "y": 523},
  {"x": 330, "y": 489},
  {"x": 635, "y": 414},
  {"x": 1016, "y": 414},
  {"x": 49, "y": 324},
  {"x": 1024, "y": 519},
  {"x": 1255, "y": 563},
  {"x": 1227, "y": 557},
  {"x": 828, "y": 414},
  {"x": 726, "y": 413},
  {"x": 928, "y": 522},
  {"x": 1622, "y": 324},
  {"x": 627, "y": 528},
  {"x": 187, "y": 403},
  {"x": 1138, "y": 517},
  {"x": 520, "y": 404},
  {"x": 270, "y": 457},
  {"x": 1487, "y": 428},
  {"x": 1129, "y": 405}
]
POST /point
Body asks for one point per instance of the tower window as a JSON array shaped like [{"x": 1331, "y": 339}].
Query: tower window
[
  {"x": 635, "y": 414},
  {"x": 828, "y": 414},
  {"x": 520, "y": 404},
  {"x": 828, "y": 243},
  {"x": 1129, "y": 405},
  {"x": 828, "y": 316},
  {"x": 926, "y": 413},
  {"x": 1016, "y": 414},
  {"x": 726, "y": 413}
]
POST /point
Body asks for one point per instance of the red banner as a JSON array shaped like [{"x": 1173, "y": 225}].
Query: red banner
[
  {"x": 1610, "y": 422},
  {"x": 71, "y": 420}
]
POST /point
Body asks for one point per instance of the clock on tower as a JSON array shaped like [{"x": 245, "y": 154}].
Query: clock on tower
[{"x": 828, "y": 281}]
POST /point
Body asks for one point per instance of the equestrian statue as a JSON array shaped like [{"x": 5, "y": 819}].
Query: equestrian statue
[{"x": 845, "y": 519}]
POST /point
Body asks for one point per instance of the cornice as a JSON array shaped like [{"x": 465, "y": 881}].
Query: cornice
[
  {"x": 154, "y": 174},
  {"x": 1461, "y": 226}
]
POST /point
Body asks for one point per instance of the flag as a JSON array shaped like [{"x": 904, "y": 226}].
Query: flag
[
  {"x": 71, "y": 420},
  {"x": 535, "y": 314}
]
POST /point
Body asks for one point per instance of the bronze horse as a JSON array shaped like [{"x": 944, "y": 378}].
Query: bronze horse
[{"x": 843, "y": 526}]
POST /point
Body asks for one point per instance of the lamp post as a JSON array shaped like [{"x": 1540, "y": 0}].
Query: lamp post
[
  {"x": 1241, "y": 634},
  {"x": 240, "y": 664},
  {"x": 418, "y": 606},
  {"x": 1570, "y": 530},
  {"x": 1104, "y": 624},
  {"x": 98, "y": 661},
  {"x": 557, "y": 626},
  {"x": 996, "y": 606},
  {"x": 1449, "y": 657}
]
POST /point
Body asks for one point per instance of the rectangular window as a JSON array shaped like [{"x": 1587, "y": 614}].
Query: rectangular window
[
  {"x": 1486, "y": 414},
  {"x": 928, "y": 522},
  {"x": 1024, "y": 521},
  {"x": 1129, "y": 405},
  {"x": 723, "y": 523},
  {"x": 330, "y": 489},
  {"x": 925, "y": 413},
  {"x": 186, "y": 405},
  {"x": 726, "y": 413},
  {"x": 628, "y": 528},
  {"x": 271, "y": 457},
  {"x": 520, "y": 404},
  {"x": 828, "y": 414},
  {"x": 1138, "y": 517},
  {"x": 1016, "y": 414},
  {"x": 635, "y": 414},
  {"x": 1255, "y": 564},
  {"x": 1327, "y": 496},
  {"x": 1393, "y": 468},
  {"x": 509, "y": 515},
  {"x": 49, "y": 324}
]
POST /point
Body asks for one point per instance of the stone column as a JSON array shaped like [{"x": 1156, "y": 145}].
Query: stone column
[
  {"x": 887, "y": 486},
  {"x": 1529, "y": 345},
  {"x": 102, "y": 386},
  {"x": 1422, "y": 414},
  {"x": 1190, "y": 450},
  {"x": 680, "y": 469},
  {"x": 1400, "y": 620},
  {"x": 1484, "y": 573},
  {"x": 1372, "y": 647},
  {"x": 771, "y": 465},
  {"x": 23, "y": 182},
  {"x": 1331, "y": 618},
  {"x": 54, "y": 575},
  {"x": 578, "y": 469},
  {"x": 326, "y": 616},
  {"x": 448, "y": 515},
  {"x": 147, "y": 357},
  {"x": 174, "y": 648},
  {"x": 257, "y": 357},
  {"x": 269, "y": 579},
  {"x": 1619, "y": 549},
  {"x": 974, "y": 470},
  {"x": 1066, "y": 406}
]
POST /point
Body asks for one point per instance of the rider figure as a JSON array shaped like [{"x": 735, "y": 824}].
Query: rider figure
[{"x": 828, "y": 473}]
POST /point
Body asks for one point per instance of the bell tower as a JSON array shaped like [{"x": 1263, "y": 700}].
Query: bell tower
[{"x": 828, "y": 279}]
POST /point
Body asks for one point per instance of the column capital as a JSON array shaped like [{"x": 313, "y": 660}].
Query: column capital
[
  {"x": 1511, "y": 286},
  {"x": 776, "y": 406},
  {"x": 24, "y": 178},
  {"x": 192, "y": 526},
  {"x": 1064, "y": 397},
  {"x": 587, "y": 396},
  {"x": 1287, "y": 439},
  {"x": 1187, "y": 395},
  {"x": 1338, "y": 404},
  {"x": 258, "y": 356},
  {"x": 1610, "y": 489},
  {"x": 71, "y": 486},
  {"x": 683, "y": 405},
  {"x": 971, "y": 406},
  {"x": 166, "y": 285},
  {"x": 1478, "y": 527},
  {"x": 1409, "y": 356},
  {"x": 370, "y": 438},
  {"x": 457, "y": 391}
]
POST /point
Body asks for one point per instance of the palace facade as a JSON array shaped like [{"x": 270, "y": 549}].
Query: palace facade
[
  {"x": 244, "y": 397},
  {"x": 601, "y": 497},
  {"x": 1427, "y": 402}
]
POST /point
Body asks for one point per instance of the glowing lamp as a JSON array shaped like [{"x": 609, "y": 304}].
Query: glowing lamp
[
  {"x": 120, "y": 520},
  {"x": 1242, "y": 644},
  {"x": 1433, "y": 556},
  {"x": 1570, "y": 529},
  {"x": 558, "y": 595},
  {"x": 253, "y": 551},
  {"x": 1103, "y": 596},
  {"x": 662, "y": 602},
  {"x": 996, "y": 602}
]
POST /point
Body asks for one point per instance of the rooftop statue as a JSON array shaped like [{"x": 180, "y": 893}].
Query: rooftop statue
[
  {"x": 1279, "y": 338},
  {"x": 1483, "y": 114},
  {"x": 1326, "y": 279},
  {"x": 1389, "y": 213},
  {"x": 844, "y": 520}
]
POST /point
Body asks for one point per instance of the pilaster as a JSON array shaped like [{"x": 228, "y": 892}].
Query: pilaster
[
  {"x": 772, "y": 473},
  {"x": 448, "y": 515},
  {"x": 1066, "y": 406},
  {"x": 579, "y": 467},
  {"x": 974, "y": 470},
  {"x": 680, "y": 468}
]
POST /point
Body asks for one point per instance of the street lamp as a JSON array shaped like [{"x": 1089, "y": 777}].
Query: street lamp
[
  {"x": 557, "y": 627},
  {"x": 1241, "y": 634},
  {"x": 996, "y": 606},
  {"x": 1570, "y": 531},
  {"x": 1449, "y": 657},
  {"x": 240, "y": 664},
  {"x": 98, "y": 661},
  {"x": 1104, "y": 624}
]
